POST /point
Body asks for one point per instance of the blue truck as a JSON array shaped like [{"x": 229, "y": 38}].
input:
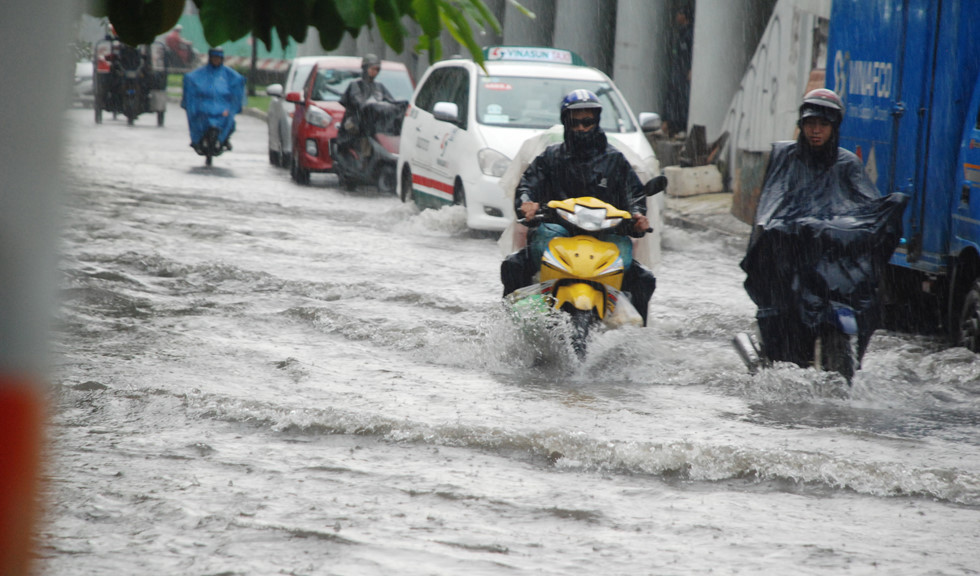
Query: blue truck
[{"x": 907, "y": 71}]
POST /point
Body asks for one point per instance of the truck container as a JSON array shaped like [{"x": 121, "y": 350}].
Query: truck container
[{"x": 907, "y": 71}]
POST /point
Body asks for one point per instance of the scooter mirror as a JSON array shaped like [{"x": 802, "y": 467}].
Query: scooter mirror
[{"x": 656, "y": 185}]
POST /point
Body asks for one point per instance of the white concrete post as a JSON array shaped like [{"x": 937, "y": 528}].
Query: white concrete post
[
  {"x": 586, "y": 27},
  {"x": 640, "y": 61},
  {"x": 520, "y": 30}
]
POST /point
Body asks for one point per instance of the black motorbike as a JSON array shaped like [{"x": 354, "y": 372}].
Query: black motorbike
[
  {"x": 815, "y": 282},
  {"x": 210, "y": 145},
  {"x": 129, "y": 80},
  {"x": 368, "y": 153}
]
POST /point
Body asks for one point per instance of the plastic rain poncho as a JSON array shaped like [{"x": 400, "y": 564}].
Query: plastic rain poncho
[
  {"x": 822, "y": 232},
  {"x": 213, "y": 95}
]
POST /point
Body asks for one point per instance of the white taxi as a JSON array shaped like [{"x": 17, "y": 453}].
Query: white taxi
[{"x": 465, "y": 125}]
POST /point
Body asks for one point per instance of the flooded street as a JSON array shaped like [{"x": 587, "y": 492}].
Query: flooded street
[{"x": 254, "y": 377}]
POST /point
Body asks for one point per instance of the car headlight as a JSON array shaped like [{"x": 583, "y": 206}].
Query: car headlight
[
  {"x": 317, "y": 117},
  {"x": 492, "y": 163}
]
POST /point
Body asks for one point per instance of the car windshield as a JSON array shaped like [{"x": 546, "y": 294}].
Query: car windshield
[
  {"x": 331, "y": 83},
  {"x": 521, "y": 102}
]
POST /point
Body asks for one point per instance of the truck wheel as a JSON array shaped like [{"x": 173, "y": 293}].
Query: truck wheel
[{"x": 969, "y": 332}]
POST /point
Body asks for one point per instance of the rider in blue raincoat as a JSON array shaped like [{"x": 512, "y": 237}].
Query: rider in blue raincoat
[{"x": 213, "y": 94}]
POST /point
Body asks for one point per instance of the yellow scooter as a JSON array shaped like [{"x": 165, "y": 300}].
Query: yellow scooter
[{"x": 580, "y": 275}]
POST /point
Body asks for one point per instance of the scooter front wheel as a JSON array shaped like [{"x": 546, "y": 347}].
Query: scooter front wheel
[
  {"x": 581, "y": 324},
  {"x": 835, "y": 352}
]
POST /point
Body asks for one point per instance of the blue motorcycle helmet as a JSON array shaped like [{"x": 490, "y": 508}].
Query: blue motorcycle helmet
[
  {"x": 580, "y": 99},
  {"x": 216, "y": 52}
]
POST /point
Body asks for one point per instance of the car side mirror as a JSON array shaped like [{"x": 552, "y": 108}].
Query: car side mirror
[
  {"x": 656, "y": 185},
  {"x": 274, "y": 90},
  {"x": 446, "y": 111},
  {"x": 650, "y": 122},
  {"x": 294, "y": 97}
]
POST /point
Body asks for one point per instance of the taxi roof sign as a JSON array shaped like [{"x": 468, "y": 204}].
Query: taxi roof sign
[{"x": 532, "y": 54}]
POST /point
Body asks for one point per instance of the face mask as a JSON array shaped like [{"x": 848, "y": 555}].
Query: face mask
[{"x": 580, "y": 142}]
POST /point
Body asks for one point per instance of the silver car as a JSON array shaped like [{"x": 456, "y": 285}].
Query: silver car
[{"x": 280, "y": 119}]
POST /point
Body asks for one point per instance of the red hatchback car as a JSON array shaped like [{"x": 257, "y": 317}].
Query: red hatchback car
[{"x": 318, "y": 112}]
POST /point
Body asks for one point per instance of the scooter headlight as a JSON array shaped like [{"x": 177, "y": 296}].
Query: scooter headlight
[{"x": 590, "y": 219}]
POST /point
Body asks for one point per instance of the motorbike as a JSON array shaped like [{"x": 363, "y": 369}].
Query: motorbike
[
  {"x": 210, "y": 145},
  {"x": 815, "y": 281},
  {"x": 581, "y": 276},
  {"x": 212, "y": 96},
  {"x": 129, "y": 80},
  {"x": 368, "y": 154}
]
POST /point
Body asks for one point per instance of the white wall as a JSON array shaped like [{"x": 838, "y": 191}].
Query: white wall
[{"x": 765, "y": 105}]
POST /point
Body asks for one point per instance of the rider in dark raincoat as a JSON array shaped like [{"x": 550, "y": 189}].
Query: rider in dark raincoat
[
  {"x": 585, "y": 164},
  {"x": 368, "y": 106},
  {"x": 822, "y": 232},
  {"x": 213, "y": 94}
]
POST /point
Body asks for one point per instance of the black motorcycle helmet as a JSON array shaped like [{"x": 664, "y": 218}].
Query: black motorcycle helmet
[
  {"x": 369, "y": 61},
  {"x": 822, "y": 103}
]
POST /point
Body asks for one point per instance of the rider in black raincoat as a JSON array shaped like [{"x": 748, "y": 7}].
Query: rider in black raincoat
[
  {"x": 368, "y": 106},
  {"x": 585, "y": 164},
  {"x": 822, "y": 232}
]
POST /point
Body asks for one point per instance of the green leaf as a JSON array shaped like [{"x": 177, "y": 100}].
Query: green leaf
[
  {"x": 455, "y": 21},
  {"x": 486, "y": 16},
  {"x": 225, "y": 20},
  {"x": 388, "y": 19},
  {"x": 427, "y": 15},
  {"x": 405, "y": 8},
  {"x": 522, "y": 9},
  {"x": 325, "y": 18},
  {"x": 355, "y": 13},
  {"x": 141, "y": 22},
  {"x": 290, "y": 18}
]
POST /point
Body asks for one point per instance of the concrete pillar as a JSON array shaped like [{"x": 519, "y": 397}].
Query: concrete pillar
[
  {"x": 587, "y": 27},
  {"x": 640, "y": 61},
  {"x": 519, "y": 30},
  {"x": 370, "y": 41},
  {"x": 487, "y": 37},
  {"x": 726, "y": 33}
]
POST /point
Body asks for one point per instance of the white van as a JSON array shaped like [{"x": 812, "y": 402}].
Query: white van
[{"x": 465, "y": 125}]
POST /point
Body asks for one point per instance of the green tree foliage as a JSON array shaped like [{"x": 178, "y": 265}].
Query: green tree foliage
[{"x": 140, "y": 21}]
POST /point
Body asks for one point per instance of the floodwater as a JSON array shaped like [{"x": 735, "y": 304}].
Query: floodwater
[{"x": 254, "y": 377}]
